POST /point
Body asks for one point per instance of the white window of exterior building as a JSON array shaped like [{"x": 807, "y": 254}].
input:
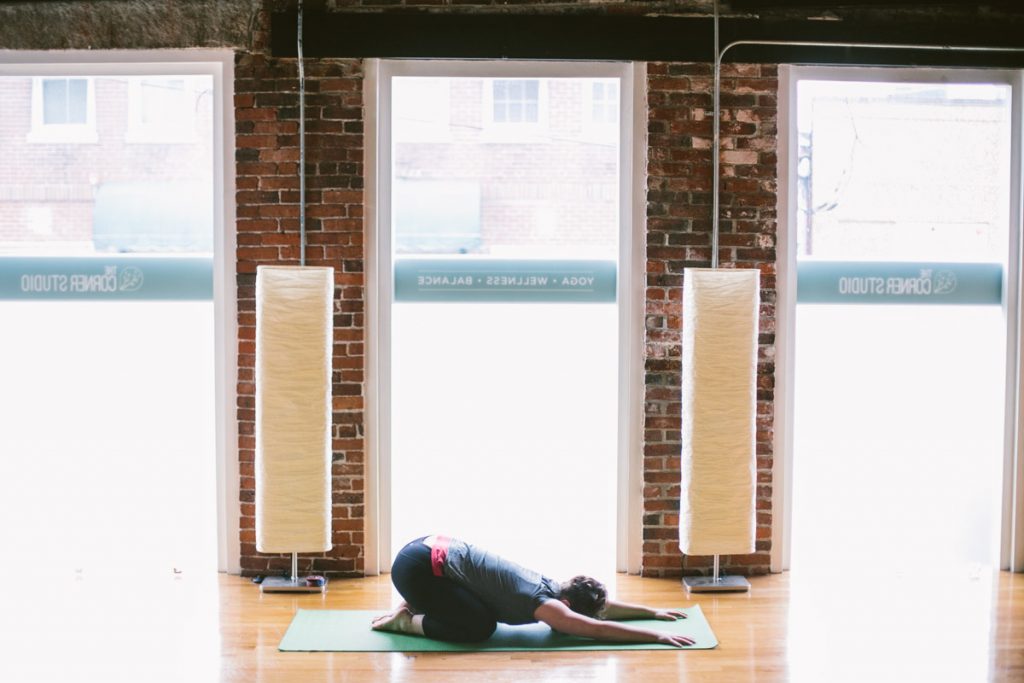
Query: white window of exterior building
[
  {"x": 516, "y": 101},
  {"x": 162, "y": 109},
  {"x": 601, "y": 109},
  {"x": 515, "y": 109},
  {"x": 604, "y": 102},
  {"x": 63, "y": 110},
  {"x": 426, "y": 111}
]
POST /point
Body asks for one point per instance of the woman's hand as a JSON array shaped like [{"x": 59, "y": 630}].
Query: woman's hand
[
  {"x": 615, "y": 610},
  {"x": 558, "y": 616},
  {"x": 670, "y": 615},
  {"x": 675, "y": 640}
]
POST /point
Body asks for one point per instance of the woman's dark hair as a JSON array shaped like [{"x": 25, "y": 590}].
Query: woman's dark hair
[{"x": 585, "y": 595}]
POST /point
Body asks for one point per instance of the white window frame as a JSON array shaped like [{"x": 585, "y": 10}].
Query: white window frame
[
  {"x": 380, "y": 278},
  {"x": 1012, "y": 544},
  {"x": 220, "y": 65},
  {"x": 63, "y": 133}
]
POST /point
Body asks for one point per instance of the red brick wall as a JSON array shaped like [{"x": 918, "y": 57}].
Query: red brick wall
[
  {"x": 266, "y": 116},
  {"x": 679, "y": 236},
  {"x": 679, "y": 224}
]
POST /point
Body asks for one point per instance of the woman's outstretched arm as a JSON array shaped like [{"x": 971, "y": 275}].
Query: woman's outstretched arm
[
  {"x": 615, "y": 610},
  {"x": 558, "y": 616}
]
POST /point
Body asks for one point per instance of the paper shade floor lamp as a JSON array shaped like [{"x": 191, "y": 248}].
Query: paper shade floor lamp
[
  {"x": 294, "y": 338},
  {"x": 717, "y": 514},
  {"x": 717, "y": 509},
  {"x": 293, "y": 415}
]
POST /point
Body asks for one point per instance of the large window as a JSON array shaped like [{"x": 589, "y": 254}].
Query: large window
[
  {"x": 500, "y": 286},
  {"x": 108, "y": 455},
  {"x": 906, "y": 280}
]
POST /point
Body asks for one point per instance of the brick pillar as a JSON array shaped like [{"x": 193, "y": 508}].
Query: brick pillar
[
  {"x": 267, "y": 183},
  {"x": 679, "y": 236}
]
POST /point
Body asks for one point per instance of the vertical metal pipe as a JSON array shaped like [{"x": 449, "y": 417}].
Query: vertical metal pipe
[
  {"x": 302, "y": 146},
  {"x": 302, "y": 191},
  {"x": 716, "y": 144},
  {"x": 714, "y": 573}
]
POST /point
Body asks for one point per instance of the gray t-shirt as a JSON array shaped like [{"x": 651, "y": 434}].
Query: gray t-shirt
[{"x": 510, "y": 591}]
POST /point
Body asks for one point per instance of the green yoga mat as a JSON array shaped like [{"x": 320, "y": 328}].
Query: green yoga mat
[{"x": 320, "y": 630}]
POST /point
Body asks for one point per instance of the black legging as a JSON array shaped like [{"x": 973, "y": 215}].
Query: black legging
[{"x": 450, "y": 612}]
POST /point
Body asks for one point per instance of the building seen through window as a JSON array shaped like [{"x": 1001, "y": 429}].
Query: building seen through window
[{"x": 103, "y": 164}]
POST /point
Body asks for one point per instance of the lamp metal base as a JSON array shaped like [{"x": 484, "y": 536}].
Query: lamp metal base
[
  {"x": 283, "y": 584},
  {"x": 709, "y": 584}
]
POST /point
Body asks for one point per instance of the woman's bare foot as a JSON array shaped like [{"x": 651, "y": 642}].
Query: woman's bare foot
[
  {"x": 398, "y": 621},
  {"x": 398, "y": 608}
]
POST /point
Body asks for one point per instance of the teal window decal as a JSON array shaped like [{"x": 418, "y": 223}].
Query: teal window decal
[
  {"x": 505, "y": 280},
  {"x": 101, "y": 278},
  {"x": 860, "y": 282}
]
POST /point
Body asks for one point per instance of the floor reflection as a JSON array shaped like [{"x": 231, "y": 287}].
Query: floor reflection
[
  {"x": 112, "y": 629},
  {"x": 804, "y": 627},
  {"x": 899, "y": 625}
]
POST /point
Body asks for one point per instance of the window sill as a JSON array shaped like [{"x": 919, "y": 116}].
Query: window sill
[
  {"x": 142, "y": 137},
  {"x": 65, "y": 136}
]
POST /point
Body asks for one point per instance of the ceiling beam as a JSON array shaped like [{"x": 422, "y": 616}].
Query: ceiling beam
[{"x": 637, "y": 38}]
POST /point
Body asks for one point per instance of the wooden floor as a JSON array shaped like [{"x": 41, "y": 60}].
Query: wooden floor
[{"x": 789, "y": 628}]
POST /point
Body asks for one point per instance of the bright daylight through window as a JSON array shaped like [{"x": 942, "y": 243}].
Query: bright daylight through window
[
  {"x": 107, "y": 391},
  {"x": 900, "y": 384},
  {"x": 504, "y": 337}
]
